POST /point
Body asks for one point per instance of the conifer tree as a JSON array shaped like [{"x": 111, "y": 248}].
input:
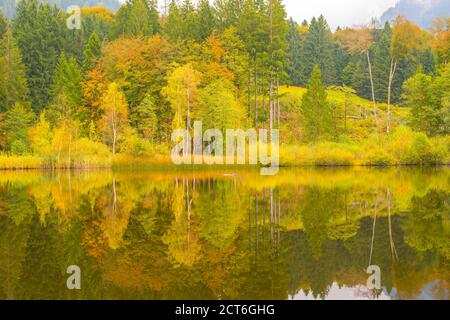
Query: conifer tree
[
  {"x": 318, "y": 49},
  {"x": 133, "y": 18},
  {"x": 40, "y": 33},
  {"x": 173, "y": 25},
  {"x": 153, "y": 14},
  {"x": 92, "y": 52},
  {"x": 293, "y": 67},
  {"x": 205, "y": 20},
  {"x": 317, "y": 117},
  {"x": 18, "y": 120},
  {"x": 13, "y": 83}
]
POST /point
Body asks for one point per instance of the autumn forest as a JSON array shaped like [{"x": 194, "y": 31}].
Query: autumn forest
[
  {"x": 87, "y": 113},
  {"x": 112, "y": 91}
]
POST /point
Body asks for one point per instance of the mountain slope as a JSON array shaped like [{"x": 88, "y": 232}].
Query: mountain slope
[{"x": 422, "y": 12}]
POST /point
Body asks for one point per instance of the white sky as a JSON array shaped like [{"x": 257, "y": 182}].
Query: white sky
[{"x": 344, "y": 13}]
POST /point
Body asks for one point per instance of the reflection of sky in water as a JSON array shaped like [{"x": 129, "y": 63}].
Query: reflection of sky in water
[{"x": 337, "y": 292}]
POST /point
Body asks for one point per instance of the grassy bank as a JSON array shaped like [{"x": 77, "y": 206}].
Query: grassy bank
[{"x": 404, "y": 147}]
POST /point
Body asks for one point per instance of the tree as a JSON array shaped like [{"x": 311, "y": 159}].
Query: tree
[
  {"x": 253, "y": 30},
  {"x": 67, "y": 82},
  {"x": 426, "y": 96},
  {"x": 316, "y": 111},
  {"x": 92, "y": 52},
  {"x": 173, "y": 24},
  {"x": 205, "y": 20},
  {"x": 3, "y": 25},
  {"x": 278, "y": 30},
  {"x": 13, "y": 83},
  {"x": 359, "y": 41},
  {"x": 236, "y": 59},
  {"x": 144, "y": 118},
  {"x": 381, "y": 64},
  {"x": 318, "y": 49},
  {"x": 293, "y": 66},
  {"x": 40, "y": 31},
  {"x": 181, "y": 92},
  {"x": 17, "y": 121},
  {"x": 228, "y": 13},
  {"x": 115, "y": 115},
  {"x": 406, "y": 39},
  {"x": 154, "y": 16},
  {"x": 133, "y": 18},
  {"x": 441, "y": 41},
  {"x": 40, "y": 137},
  {"x": 218, "y": 107}
]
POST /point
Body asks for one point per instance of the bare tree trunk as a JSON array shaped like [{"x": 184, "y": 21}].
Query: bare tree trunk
[
  {"x": 248, "y": 92},
  {"x": 271, "y": 115},
  {"x": 391, "y": 239},
  {"x": 373, "y": 228},
  {"x": 256, "y": 95},
  {"x": 278, "y": 101},
  {"x": 114, "y": 141},
  {"x": 373, "y": 89},
  {"x": 391, "y": 78}
]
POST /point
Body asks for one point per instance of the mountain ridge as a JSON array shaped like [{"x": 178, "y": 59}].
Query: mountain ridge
[{"x": 422, "y": 12}]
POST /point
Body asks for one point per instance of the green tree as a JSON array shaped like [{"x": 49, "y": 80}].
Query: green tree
[
  {"x": 3, "y": 24},
  {"x": 316, "y": 110},
  {"x": 13, "y": 83},
  {"x": 92, "y": 52},
  {"x": 18, "y": 120},
  {"x": 181, "y": 91},
  {"x": 228, "y": 13},
  {"x": 380, "y": 52},
  {"x": 68, "y": 81},
  {"x": 294, "y": 54},
  {"x": 144, "y": 118},
  {"x": 40, "y": 33},
  {"x": 205, "y": 20},
  {"x": 173, "y": 24},
  {"x": 218, "y": 107},
  {"x": 318, "y": 49},
  {"x": 426, "y": 96},
  {"x": 154, "y": 16},
  {"x": 133, "y": 18}
]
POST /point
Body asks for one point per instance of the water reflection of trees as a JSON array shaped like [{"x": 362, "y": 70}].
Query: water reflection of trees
[{"x": 209, "y": 236}]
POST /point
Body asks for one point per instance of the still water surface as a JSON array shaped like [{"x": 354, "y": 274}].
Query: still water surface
[{"x": 303, "y": 234}]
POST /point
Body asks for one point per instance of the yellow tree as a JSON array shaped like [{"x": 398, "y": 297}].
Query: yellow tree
[
  {"x": 115, "y": 115},
  {"x": 181, "y": 92},
  {"x": 359, "y": 41},
  {"x": 441, "y": 39},
  {"x": 407, "y": 38}
]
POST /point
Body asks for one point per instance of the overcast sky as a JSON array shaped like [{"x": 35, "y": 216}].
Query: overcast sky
[
  {"x": 338, "y": 12},
  {"x": 344, "y": 13}
]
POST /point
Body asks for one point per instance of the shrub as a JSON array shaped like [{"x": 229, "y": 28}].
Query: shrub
[
  {"x": 378, "y": 157},
  {"x": 333, "y": 154},
  {"x": 91, "y": 154},
  {"x": 440, "y": 150},
  {"x": 420, "y": 151},
  {"x": 19, "y": 147},
  {"x": 400, "y": 144}
]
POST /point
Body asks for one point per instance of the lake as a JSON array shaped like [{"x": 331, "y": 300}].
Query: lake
[{"x": 226, "y": 234}]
